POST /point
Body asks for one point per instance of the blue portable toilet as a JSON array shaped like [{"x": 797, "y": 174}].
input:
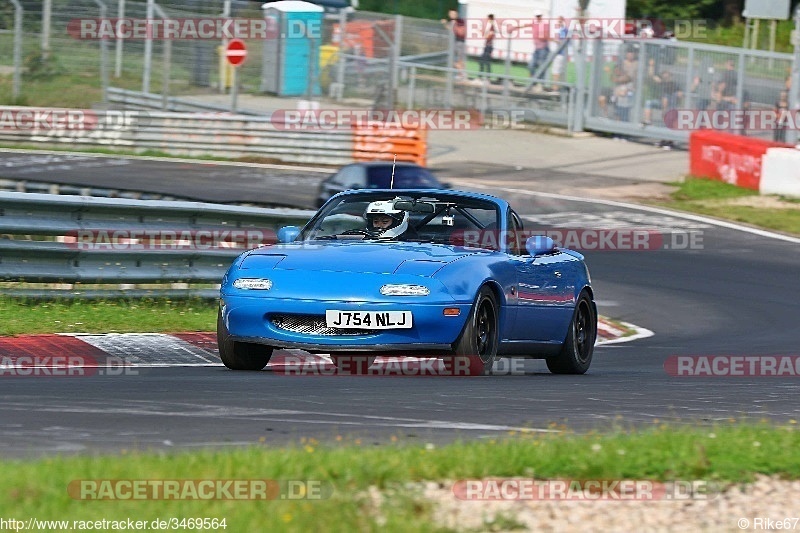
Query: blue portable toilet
[{"x": 291, "y": 49}]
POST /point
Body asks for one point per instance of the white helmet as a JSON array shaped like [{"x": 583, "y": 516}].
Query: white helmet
[{"x": 386, "y": 208}]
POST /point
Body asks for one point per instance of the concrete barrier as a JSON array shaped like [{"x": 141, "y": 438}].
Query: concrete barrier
[
  {"x": 780, "y": 172},
  {"x": 734, "y": 159}
]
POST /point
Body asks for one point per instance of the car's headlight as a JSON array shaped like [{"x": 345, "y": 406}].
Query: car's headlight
[
  {"x": 253, "y": 283},
  {"x": 405, "y": 290}
]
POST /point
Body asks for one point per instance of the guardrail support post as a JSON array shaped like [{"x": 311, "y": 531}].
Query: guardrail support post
[
  {"x": 47, "y": 11},
  {"x": 794, "y": 92},
  {"x": 412, "y": 82},
  {"x": 148, "y": 49},
  {"x": 120, "y": 40},
  {"x": 103, "y": 54},
  {"x": 448, "y": 91},
  {"x": 17, "y": 48},
  {"x": 581, "y": 47}
]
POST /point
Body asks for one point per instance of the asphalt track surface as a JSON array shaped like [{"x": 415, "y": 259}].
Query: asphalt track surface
[{"x": 735, "y": 294}]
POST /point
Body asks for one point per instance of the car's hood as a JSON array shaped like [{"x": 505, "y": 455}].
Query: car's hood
[{"x": 369, "y": 257}]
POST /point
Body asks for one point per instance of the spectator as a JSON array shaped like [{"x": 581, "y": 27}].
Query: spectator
[
  {"x": 665, "y": 90},
  {"x": 781, "y": 108},
  {"x": 622, "y": 97},
  {"x": 606, "y": 92},
  {"x": 541, "y": 42},
  {"x": 489, "y": 32},
  {"x": 703, "y": 86},
  {"x": 561, "y": 53},
  {"x": 724, "y": 95},
  {"x": 458, "y": 26},
  {"x": 630, "y": 66}
]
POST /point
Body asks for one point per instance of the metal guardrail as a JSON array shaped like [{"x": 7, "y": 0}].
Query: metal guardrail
[
  {"x": 195, "y": 134},
  {"x": 54, "y": 239},
  {"x": 215, "y": 134},
  {"x": 149, "y": 101}
]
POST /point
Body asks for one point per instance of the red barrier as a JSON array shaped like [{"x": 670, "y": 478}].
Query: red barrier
[{"x": 734, "y": 159}]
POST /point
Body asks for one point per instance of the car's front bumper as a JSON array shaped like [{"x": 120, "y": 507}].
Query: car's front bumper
[{"x": 251, "y": 319}]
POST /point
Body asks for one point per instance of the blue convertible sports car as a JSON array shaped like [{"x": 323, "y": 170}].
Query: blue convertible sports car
[{"x": 414, "y": 272}]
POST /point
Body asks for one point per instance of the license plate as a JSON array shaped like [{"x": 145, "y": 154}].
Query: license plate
[{"x": 368, "y": 319}]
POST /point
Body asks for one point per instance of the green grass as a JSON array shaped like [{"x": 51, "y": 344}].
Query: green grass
[
  {"x": 706, "y": 189},
  {"x": 499, "y": 68},
  {"x": 715, "y": 198},
  {"x": 784, "y": 220},
  {"x": 20, "y": 317},
  {"x": 722, "y": 453},
  {"x": 734, "y": 36}
]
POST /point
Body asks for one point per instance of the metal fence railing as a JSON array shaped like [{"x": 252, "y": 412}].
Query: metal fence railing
[
  {"x": 195, "y": 134},
  {"x": 634, "y": 92},
  {"x": 67, "y": 244},
  {"x": 378, "y": 60}
]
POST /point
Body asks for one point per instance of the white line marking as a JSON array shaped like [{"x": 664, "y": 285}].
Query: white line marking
[
  {"x": 294, "y": 416},
  {"x": 659, "y": 210},
  {"x": 641, "y": 333}
]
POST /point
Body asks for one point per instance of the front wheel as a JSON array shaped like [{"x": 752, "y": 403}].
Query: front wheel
[
  {"x": 576, "y": 352},
  {"x": 240, "y": 355},
  {"x": 481, "y": 333}
]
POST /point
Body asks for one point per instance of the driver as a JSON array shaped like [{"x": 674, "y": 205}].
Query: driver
[{"x": 383, "y": 220}]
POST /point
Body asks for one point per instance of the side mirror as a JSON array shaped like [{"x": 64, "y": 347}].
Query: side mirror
[
  {"x": 539, "y": 244},
  {"x": 288, "y": 233}
]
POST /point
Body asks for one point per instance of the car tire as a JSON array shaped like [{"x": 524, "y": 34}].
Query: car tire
[
  {"x": 481, "y": 332},
  {"x": 576, "y": 352},
  {"x": 240, "y": 355}
]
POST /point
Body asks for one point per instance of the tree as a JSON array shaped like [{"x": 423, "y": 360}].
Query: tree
[
  {"x": 675, "y": 9},
  {"x": 732, "y": 11}
]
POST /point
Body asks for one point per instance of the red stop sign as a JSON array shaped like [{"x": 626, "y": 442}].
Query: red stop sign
[{"x": 236, "y": 52}]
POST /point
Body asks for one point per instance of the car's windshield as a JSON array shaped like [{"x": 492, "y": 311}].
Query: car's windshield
[
  {"x": 405, "y": 177},
  {"x": 391, "y": 216}
]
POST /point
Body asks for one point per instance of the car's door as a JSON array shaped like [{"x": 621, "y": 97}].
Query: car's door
[{"x": 544, "y": 290}]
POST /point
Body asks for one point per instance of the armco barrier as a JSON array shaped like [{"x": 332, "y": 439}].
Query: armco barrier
[
  {"x": 730, "y": 158},
  {"x": 43, "y": 240},
  {"x": 223, "y": 135},
  {"x": 780, "y": 172}
]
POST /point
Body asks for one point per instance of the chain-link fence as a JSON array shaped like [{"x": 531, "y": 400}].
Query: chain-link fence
[
  {"x": 643, "y": 88},
  {"x": 664, "y": 89}
]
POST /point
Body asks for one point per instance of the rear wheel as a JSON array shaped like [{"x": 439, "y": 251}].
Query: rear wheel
[
  {"x": 576, "y": 353},
  {"x": 240, "y": 355},
  {"x": 480, "y": 336}
]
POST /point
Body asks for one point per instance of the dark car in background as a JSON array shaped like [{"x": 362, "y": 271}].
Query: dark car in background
[{"x": 378, "y": 175}]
